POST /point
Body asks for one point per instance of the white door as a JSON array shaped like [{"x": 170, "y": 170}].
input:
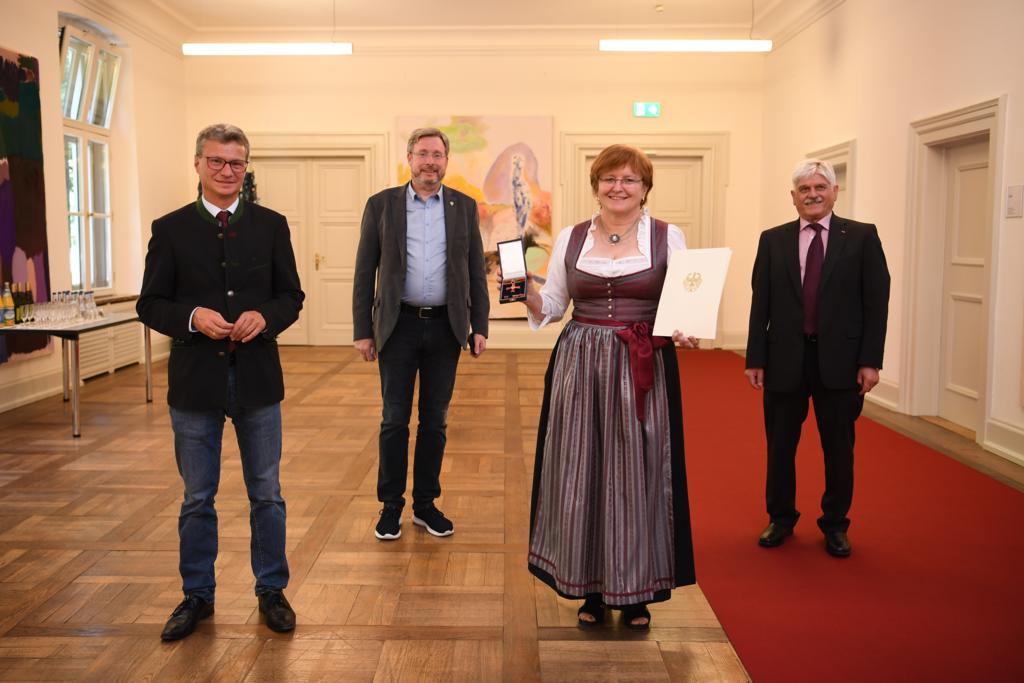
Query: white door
[
  {"x": 281, "y": 185},
  {"x": 962, "y": 347},
  {"x": 323, "y": 199},
  {"x": 340, "y": 188}
]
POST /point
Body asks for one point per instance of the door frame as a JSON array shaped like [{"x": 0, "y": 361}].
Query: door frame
[
  {"x": 918, "y": 391},
  {"x": 712, "y": 149},
  {"x": 310, "y": 146}
]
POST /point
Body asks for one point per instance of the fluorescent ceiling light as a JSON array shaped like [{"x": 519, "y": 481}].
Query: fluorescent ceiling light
[
  {"x": 686, "y": 46},
  {"x": 271, "y": 49}
]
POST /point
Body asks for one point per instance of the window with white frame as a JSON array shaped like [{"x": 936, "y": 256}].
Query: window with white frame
[{"x": 88, "y": 88}]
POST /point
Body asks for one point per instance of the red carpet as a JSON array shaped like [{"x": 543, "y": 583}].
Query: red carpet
[{"x": 934, "y": 590}]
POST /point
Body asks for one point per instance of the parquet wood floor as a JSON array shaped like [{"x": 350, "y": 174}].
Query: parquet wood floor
[{"x": 88, "y": 548}]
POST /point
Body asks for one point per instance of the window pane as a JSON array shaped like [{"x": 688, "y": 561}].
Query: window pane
[
  {"x": 99, "y": 172},
  {"x": 76, "y": 69},
  {"x": 77, "y": 250},
  {"x": 100, "y": 237},
  {"x": 72, "y": 172},
  {"x": 103, "y": 96}
]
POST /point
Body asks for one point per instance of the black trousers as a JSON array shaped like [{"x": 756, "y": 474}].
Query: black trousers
[
  {"x": 836, "y": 411},
  {"x": 428, "y": 348}
]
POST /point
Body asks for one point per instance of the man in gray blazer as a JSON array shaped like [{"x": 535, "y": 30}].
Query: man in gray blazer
[{"x": 419, "y": 289}]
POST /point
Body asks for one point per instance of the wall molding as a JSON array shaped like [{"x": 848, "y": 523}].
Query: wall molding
[
  {"x": 923, "y": 256},
  {"x": 782, "y": 20}
]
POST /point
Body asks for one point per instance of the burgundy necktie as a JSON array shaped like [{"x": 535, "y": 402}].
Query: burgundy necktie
[
  {"x": 222, "y": 218},
  {"x": 812, "y": 278}
]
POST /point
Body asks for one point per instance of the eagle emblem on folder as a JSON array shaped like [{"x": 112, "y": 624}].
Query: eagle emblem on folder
[{"x": 693, "y": 281}]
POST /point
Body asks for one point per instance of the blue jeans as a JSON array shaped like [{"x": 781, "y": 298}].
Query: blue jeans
[{"x": 197, "y": 449}]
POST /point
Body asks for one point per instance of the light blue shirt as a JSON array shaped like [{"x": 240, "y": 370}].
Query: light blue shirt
[{"x": 426, "y": 282}]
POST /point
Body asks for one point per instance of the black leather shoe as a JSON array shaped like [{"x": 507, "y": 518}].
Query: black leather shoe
[
  {"x": 837, "y": 544},
  {"x": 774, "y": 535},
  {"x": 279, "y": 614},
  {"x": 185, "y": 617}
]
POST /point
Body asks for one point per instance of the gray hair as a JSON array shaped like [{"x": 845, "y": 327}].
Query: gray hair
[
  {"x": 223, "y": 133},
  {"x": 421, "y": 133},
  {"x": 809, "y": 167}
]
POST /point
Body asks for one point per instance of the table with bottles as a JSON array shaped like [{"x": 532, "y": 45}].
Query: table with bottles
[{"x": 68, "y": 316}]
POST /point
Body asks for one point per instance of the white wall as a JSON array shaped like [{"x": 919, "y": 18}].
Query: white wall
[
  {"x": 583, "y": 93},
  {"x": 866, "y": 71},
  {"x": 149, "y": 161}
]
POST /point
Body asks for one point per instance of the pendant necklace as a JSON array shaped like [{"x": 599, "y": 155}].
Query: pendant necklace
[{"x": 615, "y": 238}]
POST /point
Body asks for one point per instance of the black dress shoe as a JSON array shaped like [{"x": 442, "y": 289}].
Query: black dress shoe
[
  {"x": 185, "y": 617},
  {"x": 774, "y": 535},
  {"x": 279, "y": 614},
  {"x": 837, "y": 544}
]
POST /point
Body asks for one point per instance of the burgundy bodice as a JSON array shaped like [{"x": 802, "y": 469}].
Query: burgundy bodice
[{"x": 628, "y": 298}]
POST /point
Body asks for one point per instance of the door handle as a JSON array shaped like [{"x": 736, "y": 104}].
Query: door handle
[{"x": 318, "y": 259}]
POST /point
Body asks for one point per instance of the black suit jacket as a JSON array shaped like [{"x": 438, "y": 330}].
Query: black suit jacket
[
  {"x": 853, "y": 305},
  {"x": 190, "y": 263},
  {"x": 381, "y": 266}
]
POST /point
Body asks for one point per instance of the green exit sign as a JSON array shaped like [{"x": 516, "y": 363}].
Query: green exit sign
[{"x": 650, "y": 110}]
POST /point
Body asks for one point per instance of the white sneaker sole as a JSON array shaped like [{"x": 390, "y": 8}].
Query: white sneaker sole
[
  {"x": 388, "y": 537},
  {"x": 419, "y": 522}
]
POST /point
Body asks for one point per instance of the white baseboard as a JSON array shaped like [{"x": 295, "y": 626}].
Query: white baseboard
[
  {"x": 886, "y": 394},
  {"x": 734, "y": 341},
  {"x": 32, "y": 388},
  {"x": 1005, "y": 440}
]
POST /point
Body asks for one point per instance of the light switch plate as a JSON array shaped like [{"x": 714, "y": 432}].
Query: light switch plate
[{"x": 1015, "y": 201}]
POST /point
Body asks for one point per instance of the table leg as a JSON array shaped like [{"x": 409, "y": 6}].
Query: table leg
[
  {"x": 64, "y": 366},
  {"x": 149, "y": 364},
  {"x": 76, "y": 418}
]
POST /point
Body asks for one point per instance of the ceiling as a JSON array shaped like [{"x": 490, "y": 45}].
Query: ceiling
[
  {"x": 474, "y": 26},
  {"x": 383, "y": 14}
]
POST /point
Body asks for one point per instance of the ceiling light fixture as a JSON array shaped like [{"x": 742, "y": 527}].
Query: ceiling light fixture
[
  {"x": 685, "y": 45},
  {"x": 264, "y": 49}
]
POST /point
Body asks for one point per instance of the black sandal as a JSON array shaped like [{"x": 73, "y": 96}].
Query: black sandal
[
  {"x": 591, "y": 605},
  {"x": 631, "y": 612}
]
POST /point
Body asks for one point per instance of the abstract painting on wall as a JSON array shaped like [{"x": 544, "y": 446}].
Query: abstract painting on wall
[
  {"x": 23, "y": 256},
  {"x": 505, "y": 164}
]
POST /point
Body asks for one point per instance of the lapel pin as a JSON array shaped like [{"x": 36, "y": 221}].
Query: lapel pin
[{"x": 451, "y": 202}]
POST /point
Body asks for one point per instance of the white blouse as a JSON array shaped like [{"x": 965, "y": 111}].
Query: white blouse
[{"x": 555, "y": 292}]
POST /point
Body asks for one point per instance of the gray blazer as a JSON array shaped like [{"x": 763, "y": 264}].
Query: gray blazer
[{"x": 381, "y": 266}]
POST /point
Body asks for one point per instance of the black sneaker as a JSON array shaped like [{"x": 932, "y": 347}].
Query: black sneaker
[
  {"x": 389, "y": 526},
  {"x": 433, "y": 521}
]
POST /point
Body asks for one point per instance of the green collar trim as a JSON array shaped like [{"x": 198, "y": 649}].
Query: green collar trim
[{"x": 206, "y": 216}]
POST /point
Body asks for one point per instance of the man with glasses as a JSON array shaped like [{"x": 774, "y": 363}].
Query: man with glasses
[
  {"x": 221, "y": 281},
  {"x": 419, "y": 289}
]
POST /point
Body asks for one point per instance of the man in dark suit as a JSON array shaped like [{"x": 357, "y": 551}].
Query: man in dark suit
[
  {"x": 221, "y": 281},
  {"x": 419, "y": 289},
  {"x": 817, "y": 330}
]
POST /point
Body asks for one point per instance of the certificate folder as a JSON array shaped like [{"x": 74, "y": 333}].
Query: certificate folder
[{"x": 692, "y": 293}]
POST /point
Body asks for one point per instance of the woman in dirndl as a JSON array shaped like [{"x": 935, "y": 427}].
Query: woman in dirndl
[{"x": 610, "y": 519}]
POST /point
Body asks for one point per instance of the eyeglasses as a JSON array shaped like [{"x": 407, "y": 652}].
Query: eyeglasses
[
  {"x": 216, "y": 164},
  {"x": 626, "y": 182},
  {"x": 423, "y": 155}
]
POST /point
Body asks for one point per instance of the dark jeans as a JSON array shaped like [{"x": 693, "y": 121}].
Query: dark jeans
[
  {"x": 197, "y": 448},
  {"x": 427, "y": 347},
  {"x": 836, "y": 411}
]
